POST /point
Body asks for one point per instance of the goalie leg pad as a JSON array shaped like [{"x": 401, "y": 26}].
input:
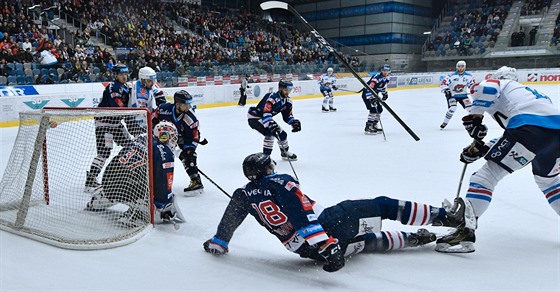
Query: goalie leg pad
[{"x": 509, "y": 153}]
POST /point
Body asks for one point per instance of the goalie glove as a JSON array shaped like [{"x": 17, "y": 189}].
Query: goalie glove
[
  {"x": 296, "y": 125},
  {"x": 216, "y": 246},
  {"x": 473, "y": 152},
  {"x": 332, "y": 252},
  {"x": 474, "y": 126}
]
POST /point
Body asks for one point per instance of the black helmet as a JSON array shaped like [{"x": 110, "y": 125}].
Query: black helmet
[
  {"x": 120, "y": 68},
  {"x": 256, "y": 166},
  {"x": 182, "y": 96},
  {"x": 285, "y": 84}
]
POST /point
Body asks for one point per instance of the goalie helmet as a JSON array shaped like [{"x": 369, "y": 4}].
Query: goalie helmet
[
  {"x": 147, "y": 73},
  {"x": 166, "y": 133},
  {"x": 258, "y": 165},
  {"x": 505, "y": 72},
  {"x": 182, "y": 96}
]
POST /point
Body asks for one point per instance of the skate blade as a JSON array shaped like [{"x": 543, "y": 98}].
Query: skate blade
[
  {"x": 193, "y": 193},
  {"x": 289, "y": 159},
  {"x": 462, "y": 247},
  {"x": 370, "y": 133}
]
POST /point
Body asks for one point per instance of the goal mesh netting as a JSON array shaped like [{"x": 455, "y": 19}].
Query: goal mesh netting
[{"x": 42, "y": 192}]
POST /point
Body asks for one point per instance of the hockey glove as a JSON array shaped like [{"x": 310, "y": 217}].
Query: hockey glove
[
  {"x": 447, "y": 93},
  {"x": 203, "y": 142},
  {"x": 296, "y": 125},
  {"x": 473, "y": 152},
  {"x": 332, "y": 252},
  {"x": 274, "y": 128},
  {"x": 334, "y": 87},
  {"x": 216, "y": 246},
  {"x": 385, "y": 96},
  {"x": 474, "y": 126}
]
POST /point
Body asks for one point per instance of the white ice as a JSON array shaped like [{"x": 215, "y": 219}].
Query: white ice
[{"x": 518, "y": 239}]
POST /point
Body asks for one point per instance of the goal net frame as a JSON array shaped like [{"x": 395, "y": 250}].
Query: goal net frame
[{"x": 14, "y": 213}]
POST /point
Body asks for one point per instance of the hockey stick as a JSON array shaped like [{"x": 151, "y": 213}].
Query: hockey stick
[
  {"x": 383, "y": 129},
  {"x": 277, "y": 4},
  {"x": 201, "y": 172},
  {"x": 289, "y": 160},
  {"x": 347, "y": 90},
  {"x": 461, "y": 180}
]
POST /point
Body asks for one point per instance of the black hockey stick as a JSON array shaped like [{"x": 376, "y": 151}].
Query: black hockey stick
[
  {"x": 281, "y": 5},
  {"x": 348, "y": 90},
  {"x": 461, "y": 180},
  {"x": 289, "y": 160},
  {"x": 201, "y": 172}
]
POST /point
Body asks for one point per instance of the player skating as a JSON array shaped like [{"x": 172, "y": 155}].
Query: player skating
[
  {"x": 260, "y": 118},
  {"x": 303, "y": 227},
  {"x": 379, "y": 84},
  {"x": 531, "y": 136},
  {"x": 181, "y": 113},
  {"x": 456, "y": 86},
  {"x": 326, "y": 85}
]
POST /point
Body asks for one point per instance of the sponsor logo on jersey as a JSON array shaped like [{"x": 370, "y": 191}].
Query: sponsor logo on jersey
[
  {"x": 37, "y": 103},
  {"x": 459, "y": 87},
  {"x": 18, "y": 90},
  {"x": 73, "y": 102}
]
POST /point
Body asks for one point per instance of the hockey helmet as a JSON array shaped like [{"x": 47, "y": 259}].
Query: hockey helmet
[
  {"x": 120, "y": 68},
  {"x": 330, "y": 69},
  {"x": 147, "y": 73},
  {"x": 461, "y": 63},
  {"x": 285, "y": 84},
  {"x": 182, "y": 96},
  {"x": 505, "y": 72},
  {"x": 386, "y": 68},
  {"x": 166, "y": 133},
  {"x": 258, "y": 165}
]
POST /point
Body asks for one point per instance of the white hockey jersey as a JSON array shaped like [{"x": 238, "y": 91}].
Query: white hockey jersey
[
  {"x": 142, "y": 97},
  {"x": 513, "y": 104},
  {"x": 458, "y": 84},
  {"x": 326, "y": 82}
]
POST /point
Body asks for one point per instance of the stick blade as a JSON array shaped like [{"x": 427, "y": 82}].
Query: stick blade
[{"x": 274, "y": 4}]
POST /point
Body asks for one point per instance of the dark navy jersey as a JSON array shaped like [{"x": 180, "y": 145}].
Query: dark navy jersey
[
  {"x": 269, "y": 106},
  {"x": 378, "y": 83},
  {"x": 277, "y": 203},
  {"x": 186, "y": 124},
  {"x": 115, "y": 94},
  {"x": 163, "y": 165}
]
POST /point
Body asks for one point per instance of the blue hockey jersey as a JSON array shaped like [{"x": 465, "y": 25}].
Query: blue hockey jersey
[
  {"x": 186, "y": 124},
  {"x": 269, "y": 106},
  {"x": 378, "y": 83},
  {"x": 115, "y": 94},
  {"x": 278, "y": 204}
]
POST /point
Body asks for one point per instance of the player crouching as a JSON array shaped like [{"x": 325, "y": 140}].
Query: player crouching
[{"x": 125, "y": 177}]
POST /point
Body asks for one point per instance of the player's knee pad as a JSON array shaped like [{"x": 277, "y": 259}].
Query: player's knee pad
[
  {"x": 509, "y": 153},
  {"x": 550, "y": 186}
]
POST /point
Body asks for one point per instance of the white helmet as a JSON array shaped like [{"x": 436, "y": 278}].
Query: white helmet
[
  {"x": 147, "y": 73},
  {"x": 505, "y": 72},
  {"x": 330, "y": 69},
  {"x": 461, "y": 63},
  {"x": 166, "y": 133}
]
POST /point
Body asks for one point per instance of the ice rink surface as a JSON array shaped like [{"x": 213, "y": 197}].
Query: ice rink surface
[{"x": 518, "y": 239}]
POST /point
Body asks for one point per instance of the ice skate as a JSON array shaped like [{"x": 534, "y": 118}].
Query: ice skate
[
  {"x": 99, "y": 202},
  {"x": 132, "y": 218},
  {"x": 287, "y": 155},
  {"x": 332, "y": 109},
  {"x": 370, "y": 129},
  {"x": 377, "y": 128},
  {"x": 460, "y": 241},
  {"x": 195, "y": 187},
  {"x": 443, "y": 125},
  {"x": 457, "y": 215},
  {"x": 421, "y": 237},
  {"x": 91, "y": 183},
  {"x": 325, "y": 110}
]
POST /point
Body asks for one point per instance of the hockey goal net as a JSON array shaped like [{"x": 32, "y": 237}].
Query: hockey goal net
[{"x": 42, "y": 193}]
